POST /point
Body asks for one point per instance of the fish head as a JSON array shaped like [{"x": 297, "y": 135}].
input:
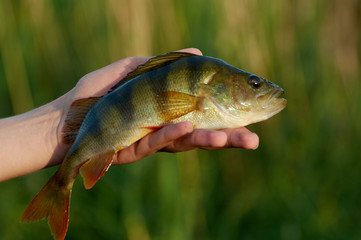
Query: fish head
[{"x": 245, "y": 97}]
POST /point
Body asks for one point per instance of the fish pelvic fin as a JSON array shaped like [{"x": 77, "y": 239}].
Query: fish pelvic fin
[
  {"x": 51, "y": 202},
  {"x": 76, "y": 114},
  {"x": 95, "y": 168},
  {"x": 172, "y": 105}
]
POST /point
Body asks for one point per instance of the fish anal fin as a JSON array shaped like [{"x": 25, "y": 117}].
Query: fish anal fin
[
  {"x": 76, "y": 114},
  {"x": 95, "y": 168},
  {"x": 153, "y": 64},
  {"x": 172, "y": 104}
]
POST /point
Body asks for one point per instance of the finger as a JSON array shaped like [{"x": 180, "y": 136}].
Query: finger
[
  {"x": 212, "y": 140},
  {"x": 199, "y": 138},
  {"x": 153, "y": 142},
  {"x": 163, "y": 137},
  {"x": 191, "y": 50},
  {"x": 241, "y": 138}
]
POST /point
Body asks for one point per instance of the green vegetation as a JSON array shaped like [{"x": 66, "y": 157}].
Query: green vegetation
[{"x": 304, "y": 180}]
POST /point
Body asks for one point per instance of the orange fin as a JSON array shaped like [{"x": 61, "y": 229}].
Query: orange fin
[
  {"x": 153, "y": 64},
  {"x": 95, "y": 168},
  {"x": 51, "y": 202},
  {"x": 154, "y": 128},
  {"x": 76, "y": 114},
  {"x": 172, "y": 105}
]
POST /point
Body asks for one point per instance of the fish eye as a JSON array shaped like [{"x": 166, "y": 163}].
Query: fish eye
[{"x": 254, "y": 81}]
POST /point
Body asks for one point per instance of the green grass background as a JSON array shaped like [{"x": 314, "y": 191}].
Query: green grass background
[{"x": 303, "y": 182}]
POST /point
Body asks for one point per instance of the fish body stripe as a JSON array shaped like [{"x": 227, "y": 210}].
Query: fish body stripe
[{"x": 194, "y": 73}]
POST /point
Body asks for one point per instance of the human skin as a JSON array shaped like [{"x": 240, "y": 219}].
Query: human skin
[{"x": 33, "y": 140}]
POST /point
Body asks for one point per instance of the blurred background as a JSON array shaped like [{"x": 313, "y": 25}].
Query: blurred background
[{"x": 303, "y": 182}]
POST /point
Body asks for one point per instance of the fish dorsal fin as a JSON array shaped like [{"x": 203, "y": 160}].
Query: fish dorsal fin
[
  {"x": 153, "y": 64},
  {"x": 76, "y": 114}
]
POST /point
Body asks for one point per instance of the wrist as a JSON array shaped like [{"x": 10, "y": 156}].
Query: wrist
[
  {"x": 52, "y": 117},
  {"x": 32, "y": 141}
]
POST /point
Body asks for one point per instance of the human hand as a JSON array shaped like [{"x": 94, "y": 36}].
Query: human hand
[
  {"x": 174, "y": 138},
  {"x": 182, "y": 137},
  {"x": 40, "y": 130}
]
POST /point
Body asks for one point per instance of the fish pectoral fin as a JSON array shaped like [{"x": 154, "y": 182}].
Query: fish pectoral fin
[
  {"x": 172, "y": 105},
  {"x": 95, "y": 168}
]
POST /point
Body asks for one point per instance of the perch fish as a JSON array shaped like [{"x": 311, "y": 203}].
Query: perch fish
[{"x": 167, "y": 89}]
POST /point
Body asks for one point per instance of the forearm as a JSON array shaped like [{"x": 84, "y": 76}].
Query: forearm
[{"x": 29, "y": 142}]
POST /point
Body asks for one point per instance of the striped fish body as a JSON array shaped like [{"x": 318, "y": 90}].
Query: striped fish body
[
  {"x": 167, "y": 89},
  {"x": 133, "y": 110}
]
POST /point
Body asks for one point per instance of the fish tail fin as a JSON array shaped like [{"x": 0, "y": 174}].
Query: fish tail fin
[{"x": 52, "y": 202}]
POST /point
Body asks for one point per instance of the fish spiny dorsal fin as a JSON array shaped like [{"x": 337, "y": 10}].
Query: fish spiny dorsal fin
[
  {"x": 76, "y": 114},
  {"x": 153, "y": 64}
]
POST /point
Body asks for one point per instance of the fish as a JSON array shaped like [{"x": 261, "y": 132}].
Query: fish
[{"x": 167, "y": 89}]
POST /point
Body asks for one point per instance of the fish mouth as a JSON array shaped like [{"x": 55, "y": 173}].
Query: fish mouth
[
  {"x": 276, "y": 101},
  {"x": 277, "y": 93},
  {"x": 272, "y": 99}
]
